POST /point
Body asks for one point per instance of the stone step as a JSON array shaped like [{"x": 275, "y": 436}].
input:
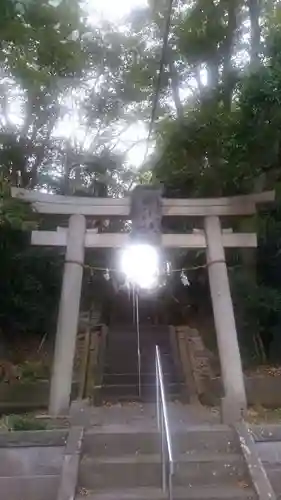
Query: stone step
[
  {"x": 126, "y": 353},
  {"x": 127, "y": 362},
  {"x": 146, "y": 338},
  {"x": 146, "y": 352},
  {"x": 149, "y": 341},
  {"x": 146, "y": 329},
  {"x": 132, "y": 370},
  {"x": 121, "y": 359},
  {"x": 267, "y": 433},
  {"x": 195, "y": 493},
  {"x": 148, "y": 391},
  {"x": 135, "y": 398},
  {"x": 274, "y": 476},
  {"x": 146, "y": 332},
  {"x": 144, "y": 398},
  {"x": 195, "y": 439},
  {"x": 132, "y": 378},
  {"x": 138, "y": 470},
  {"x": 29, "y": 487}
]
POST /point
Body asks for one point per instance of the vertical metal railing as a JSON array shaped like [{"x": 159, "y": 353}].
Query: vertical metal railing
[
  {"x": 138, "y": 341},
  {"x": 167, "y": 461},
  {"x": 136, "y": 321}
]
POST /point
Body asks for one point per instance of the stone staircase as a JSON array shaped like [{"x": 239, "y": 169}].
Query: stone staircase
[
  {"x": 268, "y": 444},
  {"x": 120, "y": 454},
  {"x": 196, "y": 362},
  {"x": 123, "y": 463},
  {"x": 120, "y": 379}
]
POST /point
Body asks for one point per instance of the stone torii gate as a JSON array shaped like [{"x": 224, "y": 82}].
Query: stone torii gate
[{"x": 213, "y": 239}]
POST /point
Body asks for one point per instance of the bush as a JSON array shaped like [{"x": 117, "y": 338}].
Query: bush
[{"x": 22, "y": 423}]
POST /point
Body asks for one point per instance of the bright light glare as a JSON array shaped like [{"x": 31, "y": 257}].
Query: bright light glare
[{"x": 140, "y": 264}]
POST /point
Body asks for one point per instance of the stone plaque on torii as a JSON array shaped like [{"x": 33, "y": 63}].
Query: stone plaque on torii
[{"x": 76, "y": 238}]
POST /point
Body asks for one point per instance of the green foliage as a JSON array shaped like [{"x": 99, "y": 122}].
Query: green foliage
[
  {"x": 37, "y": 40},
  {"x": 258, "y": 298},
  {"x": 231, "y": 146},
  {"x": 30, "y": 285},
  {"x": 34, "y": 370},
  {"x": 51, "y": 60},
  {"x": 201, "y": 31},
  {"x": 219, "y": 149},
  {"x": 14, "y": 213},
  {"x": 22, "y": 423}
]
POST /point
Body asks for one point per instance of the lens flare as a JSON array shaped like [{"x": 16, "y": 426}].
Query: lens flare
[{"x": 140, "y": 264}]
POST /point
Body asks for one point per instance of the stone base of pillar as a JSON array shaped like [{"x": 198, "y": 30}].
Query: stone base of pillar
[
  {"x": 80, "y": 414},
  {"x": 232, "y": 411}
]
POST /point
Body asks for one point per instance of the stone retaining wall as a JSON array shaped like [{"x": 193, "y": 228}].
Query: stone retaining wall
[
  {"x": 31, "y": 464},
  {"x": 261, "y": 390},
  {"x": 27, "y": 396}
]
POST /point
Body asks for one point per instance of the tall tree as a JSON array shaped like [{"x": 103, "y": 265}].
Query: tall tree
[{"x": 255, "y": 47}]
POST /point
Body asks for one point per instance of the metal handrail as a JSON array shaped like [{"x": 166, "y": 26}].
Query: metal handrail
[{"x": 167, "y": 460}]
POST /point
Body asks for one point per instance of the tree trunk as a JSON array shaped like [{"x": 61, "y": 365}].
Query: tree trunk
[
  {"x": 197, "y": 75},
  {"x": 175, "y": 83},
  {"x": 213, "y": 74},
  {"x": 227, "y": 76},
  {"x": 254, "y": 14},
  {"x": 67, "y": 171}
]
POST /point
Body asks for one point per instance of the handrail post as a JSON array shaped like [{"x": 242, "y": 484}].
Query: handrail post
[
  {"x": 157, "y": 394},
  {"x": 167, "y": 462},
  {"x": 163, "y": 458},
  {"x": 171, "y": 472}
]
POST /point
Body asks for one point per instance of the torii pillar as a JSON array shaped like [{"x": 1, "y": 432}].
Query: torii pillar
[
  {"x": 234, "y": 402},
  {"x": 61, "y": 379}
]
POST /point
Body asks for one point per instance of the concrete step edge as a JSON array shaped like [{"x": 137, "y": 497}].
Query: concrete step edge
[
  {"x": 195, "y": 492},
  {"x": 31, "y": 477},
  {"x": 207, "y": 428},
  {"x": 149, "y": 376},
  {"x": 109, "y": 386},
  {"x": 193, "y": 457},
  {"x": 115, "y": 398}
]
